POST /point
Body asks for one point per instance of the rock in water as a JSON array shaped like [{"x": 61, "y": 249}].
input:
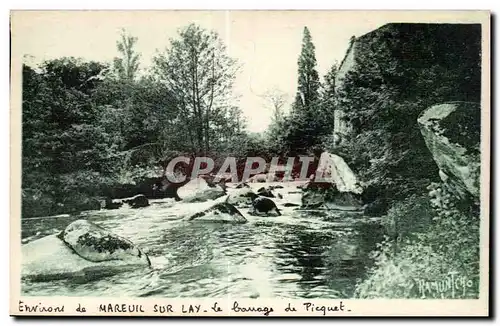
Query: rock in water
[
  {"x": 264, "y": 206},
  {"x": 333, "y": 169},
  {"x": 220, "y": 212},
  {"x": 265, "y": 192},
  {"x": 198, "y": 190},
  {"x": 452, "y": 133},
  {"x": 96, "y": 244},
  {"x": 242, "y": 185},
  {"x": 241, "y": 196},
  {"x": 261, "y": 177},
  {"x": 137, "y": 201},
  {"x": 82, "y": 250},
  {"x": 290, "y": 205},
  {"x": 335, "y": 186}
]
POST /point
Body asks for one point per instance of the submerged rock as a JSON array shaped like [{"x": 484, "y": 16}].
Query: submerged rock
[
  {"x": 265, "y": 192},
  {"x": 136, "y": 201},
  {"x": 242, "y": 185},
  {"x": 241, "y": 196},
  {"x": 220, "y": 212},
  {"x": 259, "y": 178},
  {"x": 452, "y": 133},
  {"x": 83, "y": 249},
  {"x": 263, "y": 206},
  {"x": 199, "y": 190}
]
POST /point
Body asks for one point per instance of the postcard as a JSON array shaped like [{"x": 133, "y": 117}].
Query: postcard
[{"x": 250, "y": 163}]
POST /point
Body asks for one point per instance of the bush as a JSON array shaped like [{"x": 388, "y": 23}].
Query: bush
[
  {"x": 437, "y": 261},
  {"x": 407, "y": 217}
]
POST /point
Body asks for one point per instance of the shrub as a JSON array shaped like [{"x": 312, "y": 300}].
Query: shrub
[
  {"x": 440, "y": 261},
  {"x": 407, "y": 217}
]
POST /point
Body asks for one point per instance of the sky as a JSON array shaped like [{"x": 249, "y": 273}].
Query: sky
[{"x": 267, "y": 44}]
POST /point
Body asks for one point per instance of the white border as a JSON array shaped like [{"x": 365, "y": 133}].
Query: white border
[{"x": 185, "y": 4}]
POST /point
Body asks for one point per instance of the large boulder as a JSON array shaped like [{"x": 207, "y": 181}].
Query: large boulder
[
  {"x": 220, "y": 212},
  {"x": 199, "y": 190},
  {"x": 331, "y": 198},
  {"x": 333, "y": 169},
  {"x": 452, "y": 133},
  {"x": 313, "y": 199},
  {"x": 335, "y": 186},
  {"x": 263, "y": 206},
  {"x": 82, "y": 250}
]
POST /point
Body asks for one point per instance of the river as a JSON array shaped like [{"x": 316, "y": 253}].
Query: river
[{"x": 301, "y": 254}]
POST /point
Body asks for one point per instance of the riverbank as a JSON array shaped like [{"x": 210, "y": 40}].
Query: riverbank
[{"x": 437, "y": 257}]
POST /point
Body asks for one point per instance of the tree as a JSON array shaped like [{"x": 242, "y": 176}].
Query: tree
[
  {"x": 308, "y": 81},
  {"x": 328, "y": 99},
  {"x": 277, "y": 100},
  {"x": 66, "y": 152},
  {"x": 328, "y": 91},
  {"x": 126, "y": 66},
  {"x": 304, "y": 127},
  {"x": 197, "y": 70}
]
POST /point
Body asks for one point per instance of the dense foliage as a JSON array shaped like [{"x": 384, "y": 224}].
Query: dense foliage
[
  {"x": 196, "y": 68},
  {"x": 88, "y": 126},
  {"x": 432, "y": 251},
  {"x": 399, "y": 71}
]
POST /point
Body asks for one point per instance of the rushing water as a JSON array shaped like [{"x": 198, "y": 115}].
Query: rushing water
[{"x": 301, "y": 254}]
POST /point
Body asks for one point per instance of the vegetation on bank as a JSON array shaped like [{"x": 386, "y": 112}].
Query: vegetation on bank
[
  {"x": 431, "y": 251},
  {"x": 400, "y": 71}
]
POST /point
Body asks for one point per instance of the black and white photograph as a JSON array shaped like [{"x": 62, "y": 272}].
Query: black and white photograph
[{"x": 285, "y": 155}]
